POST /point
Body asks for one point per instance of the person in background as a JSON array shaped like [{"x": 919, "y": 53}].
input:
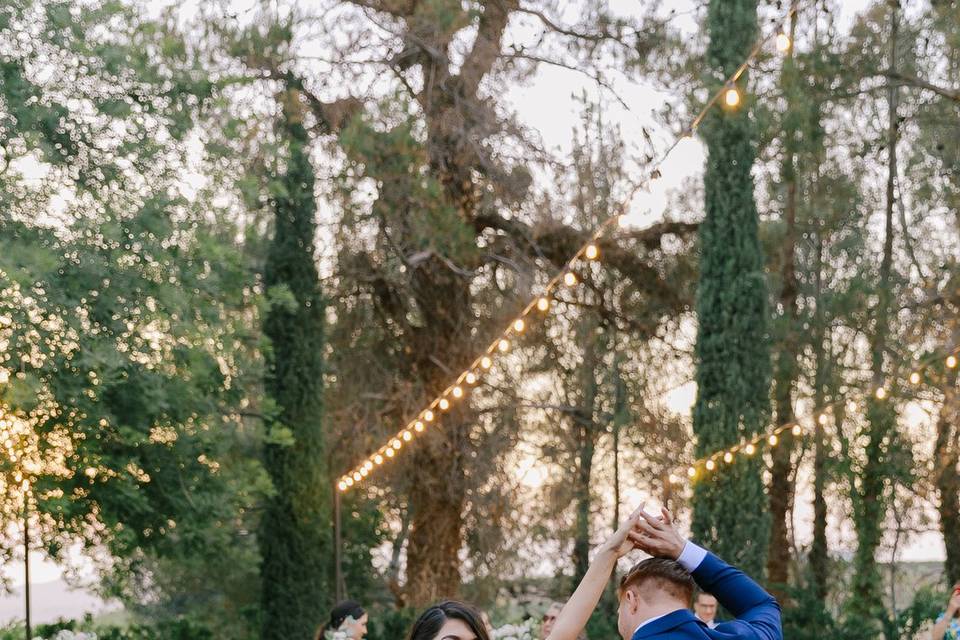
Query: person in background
[
  {"x": 705, "y": 607},
  {"x": 947, "y": 626},
  {"x": 549, "y": 617},
  {"x": 349, "y": 618},
  {"x": 449, "y": 620},
  {"x": 486, "y": 623}
]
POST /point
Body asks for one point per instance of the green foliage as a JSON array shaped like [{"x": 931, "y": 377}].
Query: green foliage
[
  {"x": 733, "y": 361},
  {"x": 295, "y": 540}
]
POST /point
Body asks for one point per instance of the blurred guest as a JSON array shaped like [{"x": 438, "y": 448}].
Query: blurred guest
[
  {"x": 348, "y": 618},
  {"x": 705, "y": 608},
  {"x": 549, "y": 617},
  {"x": 948, "y": 624}
]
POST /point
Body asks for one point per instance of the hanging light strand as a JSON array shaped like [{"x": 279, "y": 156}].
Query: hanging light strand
[
  {"x": 821, "y": 416},
  {"x": 589, "y": 250}
]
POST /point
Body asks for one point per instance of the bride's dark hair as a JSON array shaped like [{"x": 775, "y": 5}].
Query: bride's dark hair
[{"x": 430, "y": 622}]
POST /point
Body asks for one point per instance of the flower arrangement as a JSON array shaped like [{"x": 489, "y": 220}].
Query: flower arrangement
[{"x": 522, "y": 631}]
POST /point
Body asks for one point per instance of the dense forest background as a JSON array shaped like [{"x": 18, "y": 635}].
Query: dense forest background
[{"x": 241, "y": 245}]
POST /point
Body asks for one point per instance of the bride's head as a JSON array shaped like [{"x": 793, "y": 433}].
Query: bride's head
[{"x": 450, "y": 620}]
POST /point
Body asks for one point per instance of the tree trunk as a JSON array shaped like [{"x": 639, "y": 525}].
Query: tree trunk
[
  {"x": 946, "y": 457},
  {"x": 819, "y": 557},
  {"x": 586, "y": 429},
  {"x": 733, "y": 372},
  {"x": 294, "y": 537},
  {"x": 870, "y": 501},
  {"x": 781, "y": 478}
]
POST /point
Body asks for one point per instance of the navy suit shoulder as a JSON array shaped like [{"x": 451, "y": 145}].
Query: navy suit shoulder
[{"x": 757, "y": 612}]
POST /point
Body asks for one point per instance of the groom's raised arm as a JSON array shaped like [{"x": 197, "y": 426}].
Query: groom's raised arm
[{"x": 734, "y": 589}]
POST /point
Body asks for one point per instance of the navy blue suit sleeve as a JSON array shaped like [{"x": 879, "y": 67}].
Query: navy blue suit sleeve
[{"x": 742, "y": 597}]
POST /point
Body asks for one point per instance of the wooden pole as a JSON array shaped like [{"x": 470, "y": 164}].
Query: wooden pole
[
  {"x": 26, "y": 560},
  {"x": 340, "y": 587}
]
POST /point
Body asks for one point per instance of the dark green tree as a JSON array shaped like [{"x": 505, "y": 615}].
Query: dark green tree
[
  {"x": 733, "y": 361},
  {"x": 295, "y": 532}
]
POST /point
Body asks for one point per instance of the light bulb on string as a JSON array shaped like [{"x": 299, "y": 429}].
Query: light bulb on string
[
  {"x": 444, "y": 404},
  {"x": 773, "y": 440},
  {"x": 692, "y": 472},
  {"x": 880, "y": 393},
  {"x": 407, "y": 436},
  {"x": 348, "y": 482},
  {"x": 543, "y": 304},
  {"x": 519, "y": 325},
  {"x": 570, "y": 278},
  {"x": 368, "y": 465},
  {"x": 485, "y": 362},
  {"x": 731, "y": 97},
  {"x": 591, "y": 252},
  {"x": 378, "y": 459},
  {"x": 396, "y": 444},
  {"x": 823, "y": 419},
  {"x": 470, "y": 378},
  {"x": 457, "y": 392},
  {"x": 797, "y": 430},
  {"x": 364, "y": 472},
  {"x": 783, "y": 42},
  {"x": 915, "y": 378},
  {"x": 750, "y": 449},
  {"x": 728, "y": 457},
  {"x": 503, "y": 345},
  {"x": 711, "y": 465},
  {"x": 951, "y": 361},
  {"x": 418, "y": 426},
  {"x": 673, "y": 479},
  {"x": 428, "y": 415},
  {"x": 342, "y": 485},
  {"x": 389, "y": 452}
]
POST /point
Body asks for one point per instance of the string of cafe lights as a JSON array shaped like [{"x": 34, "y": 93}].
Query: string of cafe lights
[
  {"x": 821, "y": 415},
  {"x": 539, "y": 306}
]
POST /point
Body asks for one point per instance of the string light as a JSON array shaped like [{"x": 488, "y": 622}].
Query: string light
[
  {"x": 692, "y": 472},
  {"x": 407, "y": 436},
  {"x": 915, "y": 378},
  {"x": 750, "y": 449},
  {"x": 728, "y": 457},
  {"x": 773, "y": 439},
  {"x": 951, "y": 361},
  {"x": 823, "y": 419},
  {"x": 378, "y": 459},
  {"x": 711, "y": 465},
  {"x": 457, "y": 392},
  {"x": 783, "y": 42},
  {"x": 731, "y": 97},
  {"x": 797, "y": 430},
  {"x": 880, "y": 393}
]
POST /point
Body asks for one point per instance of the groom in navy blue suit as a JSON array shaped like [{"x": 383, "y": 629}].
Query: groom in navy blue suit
[{"x": 655, "y": 594}]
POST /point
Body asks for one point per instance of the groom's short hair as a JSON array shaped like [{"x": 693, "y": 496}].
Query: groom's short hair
[{"x": 660, "y": 575}]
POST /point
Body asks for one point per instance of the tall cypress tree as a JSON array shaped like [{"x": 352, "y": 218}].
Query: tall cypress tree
[
  {"x": 294, "y": 537},
  {"x": 733, "y": 374}
]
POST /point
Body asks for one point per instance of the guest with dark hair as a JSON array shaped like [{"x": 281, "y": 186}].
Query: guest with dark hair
[
  {"x": 349, "y": 618},
  {"x": 449, "y": 620}
]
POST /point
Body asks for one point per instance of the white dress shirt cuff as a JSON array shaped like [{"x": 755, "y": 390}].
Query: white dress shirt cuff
[{"x": 691, "y": 556}]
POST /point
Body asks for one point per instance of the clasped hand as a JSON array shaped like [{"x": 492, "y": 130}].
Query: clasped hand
[{"x": 651, "y": 534}]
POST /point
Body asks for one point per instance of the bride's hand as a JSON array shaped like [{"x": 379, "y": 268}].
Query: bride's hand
[{"x": 626, "y": 538}]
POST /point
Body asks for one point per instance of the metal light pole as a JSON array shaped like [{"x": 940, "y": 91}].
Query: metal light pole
[
  {"x": 340, "y": 587},
  {"x": 26, "y": 556}
]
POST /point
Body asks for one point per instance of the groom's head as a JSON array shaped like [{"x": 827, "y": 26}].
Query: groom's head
[{"x": 653, "y": 587}]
